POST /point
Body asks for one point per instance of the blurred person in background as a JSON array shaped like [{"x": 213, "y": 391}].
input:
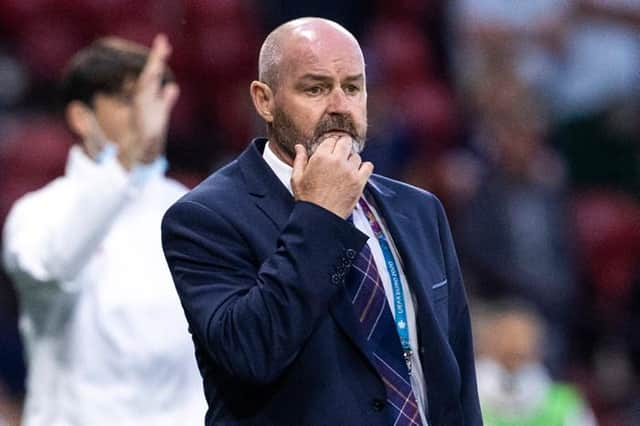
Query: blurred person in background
[
  {"x": 105, "y": 339},
  {"x": 514, "y": 385},
  {"x": 597, "y": 96},
  {"x": 582, "y": 54},
  {"x": 600, "y": 57},
  {"x": 514, "y": 230},
  {"x": 582, "y": 58},
  {"x": 529, "y": 34}
]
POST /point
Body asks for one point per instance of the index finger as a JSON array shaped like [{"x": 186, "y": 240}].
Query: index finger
[
  {"x": 156, "y": 61},
  {"x": 327, "y": 145},
  {"x": 343, "y": 146},
  {"x": 365, "y": 170}
]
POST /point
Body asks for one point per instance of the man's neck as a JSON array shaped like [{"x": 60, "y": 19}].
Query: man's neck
[{"x": 280, "y": 152}]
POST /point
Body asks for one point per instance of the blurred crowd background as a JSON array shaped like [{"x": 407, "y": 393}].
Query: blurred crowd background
[{"x": 523, "y": 117}]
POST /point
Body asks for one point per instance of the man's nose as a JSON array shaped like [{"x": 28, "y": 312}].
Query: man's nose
[{"x": 338, "y": 101}]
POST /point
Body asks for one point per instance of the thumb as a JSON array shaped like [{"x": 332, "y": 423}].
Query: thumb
[{"x": 299, "y": 163}]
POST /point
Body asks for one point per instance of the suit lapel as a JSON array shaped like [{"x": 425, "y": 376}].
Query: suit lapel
[
  {"x": 401, "y": 224},
  {"x": 412, "y": 247},
  {"x": 398, "y": 223},
  {"x": 269, "y": 194}
]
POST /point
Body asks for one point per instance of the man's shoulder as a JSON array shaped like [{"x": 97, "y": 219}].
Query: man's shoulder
[
  {"x": 218, "y": 189},
  {"x": 53, "y": 191},
  {"x": 32, "y": 207}
]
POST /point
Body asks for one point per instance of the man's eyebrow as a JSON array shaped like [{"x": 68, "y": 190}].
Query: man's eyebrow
[
  {"x": 324, "y": 78},
  {"x": 356, "y": 77},
  {"x": 316, "y": 77}
]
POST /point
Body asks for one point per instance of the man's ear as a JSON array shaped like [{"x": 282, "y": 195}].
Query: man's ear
[
  {"x": 78, "y": 118},
  {"x": 263, "y": 100}
]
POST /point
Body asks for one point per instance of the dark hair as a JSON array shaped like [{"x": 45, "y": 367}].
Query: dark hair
[{"x": 103, "y": 67}]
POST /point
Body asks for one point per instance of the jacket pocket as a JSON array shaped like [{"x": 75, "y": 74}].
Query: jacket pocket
[
  {"x": 439, "y": 296},
  {"x": 440, "y": 290}
]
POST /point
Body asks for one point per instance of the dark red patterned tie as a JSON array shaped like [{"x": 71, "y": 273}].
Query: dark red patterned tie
[{"x": 372, "y": 310}]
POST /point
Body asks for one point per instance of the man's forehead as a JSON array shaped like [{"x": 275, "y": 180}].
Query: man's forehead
[{"x": 309, "y": 51}]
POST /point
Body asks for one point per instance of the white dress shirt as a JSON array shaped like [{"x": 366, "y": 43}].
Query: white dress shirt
[
  {"x": 105, "y": 337},
  {"x": 283, "y": 171}
]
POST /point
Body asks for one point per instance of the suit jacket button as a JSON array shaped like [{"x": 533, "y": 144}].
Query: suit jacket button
[
  {"x": 378, "y": 404},
  {"x": 335, "y": 278},
  {"x": 351, "y": 253}
]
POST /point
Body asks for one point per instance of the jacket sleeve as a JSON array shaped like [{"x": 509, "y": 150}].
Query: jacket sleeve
[
  {"x": 252, "y": 317},
  {"x": 460, "y": 336}
]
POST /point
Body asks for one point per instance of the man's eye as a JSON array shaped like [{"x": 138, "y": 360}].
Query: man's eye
[
  {"x": 352, "y": 89},
  {"x": 314, "y": 90}
]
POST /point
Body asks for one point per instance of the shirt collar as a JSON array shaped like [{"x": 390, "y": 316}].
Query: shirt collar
[{"x": 282, "y": 170}]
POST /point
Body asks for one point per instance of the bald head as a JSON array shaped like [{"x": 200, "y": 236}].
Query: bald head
[
  {"x": 311, "y": 86},
  {"x": 296, "y": 37}
]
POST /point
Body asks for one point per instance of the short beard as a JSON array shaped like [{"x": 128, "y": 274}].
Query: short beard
[{"x": 284, "y": 132}]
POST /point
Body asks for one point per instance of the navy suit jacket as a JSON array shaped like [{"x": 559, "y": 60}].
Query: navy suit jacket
[{"x": 261, "y": 280}]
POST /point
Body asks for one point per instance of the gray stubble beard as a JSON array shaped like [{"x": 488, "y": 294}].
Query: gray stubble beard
[{"x": 283, "y": 132}]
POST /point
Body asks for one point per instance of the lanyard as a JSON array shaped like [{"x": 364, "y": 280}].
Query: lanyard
[{"x": 394, "y": 274}]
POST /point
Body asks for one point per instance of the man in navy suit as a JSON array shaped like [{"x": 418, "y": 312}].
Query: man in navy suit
[{"x": 316, "y": 292}]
